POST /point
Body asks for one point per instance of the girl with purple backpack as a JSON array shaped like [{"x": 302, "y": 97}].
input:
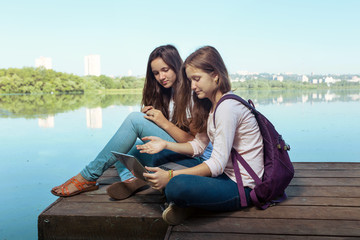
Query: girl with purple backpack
[{"x": 212, "y": 184}]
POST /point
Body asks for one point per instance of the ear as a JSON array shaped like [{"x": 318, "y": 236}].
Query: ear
[{"x": 216, "y": 78}]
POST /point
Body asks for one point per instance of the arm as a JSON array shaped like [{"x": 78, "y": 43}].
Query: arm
[
  {"x": 158, "y": 118},
  {"x": 157, "y": 144},
  {"x": 227, "y": 120}
]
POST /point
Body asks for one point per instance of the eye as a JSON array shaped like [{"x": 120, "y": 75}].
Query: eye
[
  {"x": 165, "y": 69},
  {"x": 155, "y": 73},
  {"x": 196, "y": 78}
]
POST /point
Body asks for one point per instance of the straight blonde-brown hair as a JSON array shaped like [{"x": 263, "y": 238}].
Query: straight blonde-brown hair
[{"x": 209, "y": 60}]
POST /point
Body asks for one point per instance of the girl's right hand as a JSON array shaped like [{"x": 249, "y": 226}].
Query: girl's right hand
[{"x": 157, "y": 117}]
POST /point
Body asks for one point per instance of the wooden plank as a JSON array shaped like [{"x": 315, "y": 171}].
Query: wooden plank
[
  {"x": 323, "y": 191},
  {"x": 320, "y": 173},
  {"x": 325, "y": 181},
  {"x": 322, "y": 201},
  {"x": 118, "y": 209},
  {"x": 254, "y": 236},
  {"x": 326, "y": 165},
  {"x": 101, "y": 227},
  {"x": 290, "y": 212},
  {"x": 271, "y": 226}
]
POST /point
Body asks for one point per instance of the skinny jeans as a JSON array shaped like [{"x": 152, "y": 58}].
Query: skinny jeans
[
  {"x": 134, "y": 127},
  {"x": 211, "y": 193}
]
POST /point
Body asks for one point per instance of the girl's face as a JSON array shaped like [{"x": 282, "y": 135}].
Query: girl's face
[
  {"x": 202, "y": 83},
  {"x": 163, "y": 73}
]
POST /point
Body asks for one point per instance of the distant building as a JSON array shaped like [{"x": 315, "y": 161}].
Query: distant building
[
  {"x": 92, "y": 65},
  {"x": 354, "y": 79},
  {"x": 304, "y": 78},
  {"x": 278, "y": 78},
  {"x": 45, "y": 62}
]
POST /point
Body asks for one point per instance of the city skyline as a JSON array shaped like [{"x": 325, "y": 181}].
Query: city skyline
[{"x": 257, "y": 36}]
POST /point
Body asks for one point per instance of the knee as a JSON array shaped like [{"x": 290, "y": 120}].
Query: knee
[
  {"x": 176, "y": 189},
  {"x": 135, "y": 118}
]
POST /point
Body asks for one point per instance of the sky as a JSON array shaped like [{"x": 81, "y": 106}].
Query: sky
[{"x": 274, "y": 36}]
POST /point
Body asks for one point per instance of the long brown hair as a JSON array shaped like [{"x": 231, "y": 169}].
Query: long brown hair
[
  {"x": 159, "y": 97},
  {"x": 210, "y": 61}
]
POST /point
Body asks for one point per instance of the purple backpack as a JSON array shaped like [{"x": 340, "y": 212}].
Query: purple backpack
[{"x": 278, "y": 169}]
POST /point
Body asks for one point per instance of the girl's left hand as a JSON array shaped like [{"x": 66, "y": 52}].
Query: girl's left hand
[
  {"x": 154, "y": 145},
  {"x": 158, "y": 179}
]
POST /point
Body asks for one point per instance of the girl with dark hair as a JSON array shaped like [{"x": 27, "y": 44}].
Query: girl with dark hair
[
  {"x": 161, "y": 116},
  {"x": 212, "y": 184}
]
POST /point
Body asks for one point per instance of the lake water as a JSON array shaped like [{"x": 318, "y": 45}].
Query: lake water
[{"x": 46, "y": 139}]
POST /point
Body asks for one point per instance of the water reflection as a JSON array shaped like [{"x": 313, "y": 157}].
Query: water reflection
[
  {"x": 94, "y": 117},
  {"x": 48, "y": 122},
  {"x": 45, "y": 107},
  {"x": 296, "y": 96}
]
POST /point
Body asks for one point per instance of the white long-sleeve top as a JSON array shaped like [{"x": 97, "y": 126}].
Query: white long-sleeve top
[{"x": 236, "y": 127}]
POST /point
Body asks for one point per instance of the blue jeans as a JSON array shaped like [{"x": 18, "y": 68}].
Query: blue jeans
[
  {"x": 134, "y": 127},
  {"x": 211, "y": 193}
]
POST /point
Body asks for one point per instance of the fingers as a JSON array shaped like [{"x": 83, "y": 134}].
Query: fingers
[
  {"x": 152, "y": 178},
  {"x": 152, "y": 169},
  {"x": 152, "y": 112},
  {"x": 147, "y": 138},
  {"x": 143, "y": 148},
  {"x": 146, "y": 109}
]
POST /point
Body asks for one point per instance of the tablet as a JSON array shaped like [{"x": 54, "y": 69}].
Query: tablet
[{"x": 137, "y": 169}]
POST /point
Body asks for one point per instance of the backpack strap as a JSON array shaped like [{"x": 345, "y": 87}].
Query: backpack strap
[
  {"x": 235, "y": 157},
  {"x": 239, "y": 182}
]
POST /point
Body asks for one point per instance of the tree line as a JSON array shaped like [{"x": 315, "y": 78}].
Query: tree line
[{"x": 40, "y": 80}]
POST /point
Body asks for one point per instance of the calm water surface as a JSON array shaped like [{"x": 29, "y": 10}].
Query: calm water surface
[{"x": 46, "y": 139}]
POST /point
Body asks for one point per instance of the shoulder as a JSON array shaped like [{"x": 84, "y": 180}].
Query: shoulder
[{"x": 231, "y": 106}]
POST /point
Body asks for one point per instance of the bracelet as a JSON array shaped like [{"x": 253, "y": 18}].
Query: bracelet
[{"x": 171, "y": 174}]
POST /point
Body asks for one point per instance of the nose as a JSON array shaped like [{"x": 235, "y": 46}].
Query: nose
[
  {"x": 193, "y": 86},
  {"x": 162, "y": 75}
]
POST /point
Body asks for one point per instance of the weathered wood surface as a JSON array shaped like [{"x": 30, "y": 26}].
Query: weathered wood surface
[
  {"x": 324, "y": 203},
  {"x": 94, "y": 215}
]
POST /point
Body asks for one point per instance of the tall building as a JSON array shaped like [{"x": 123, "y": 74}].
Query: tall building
[
  {"x": 45, "y": 62},
  {"x": 92, "y": 65}
]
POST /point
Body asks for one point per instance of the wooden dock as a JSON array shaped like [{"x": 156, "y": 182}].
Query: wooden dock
[{"x": 324, "y": 203}]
